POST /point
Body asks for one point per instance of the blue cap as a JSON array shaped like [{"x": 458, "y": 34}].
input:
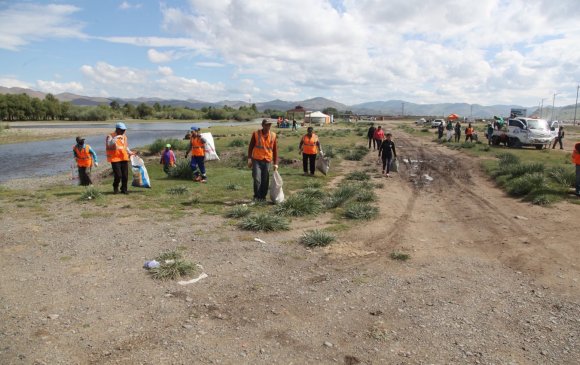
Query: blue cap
[
  {"x": 195, "y": 128},
  {"x": 120, "y": 125}
]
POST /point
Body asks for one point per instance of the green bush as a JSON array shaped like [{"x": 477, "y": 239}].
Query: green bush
[
  {"x": 358, "y": 176},
  {"x": 316, "y": 237},
  {"x": 525, "y": 184},
  {"x": 356, "y": 154},
  {"x": 181, "y": 170},
  {"x": 238, "y": 211},
  {"x": 542, "y": 199},
  {"x": 238, "y": 143},
  {"x": 264, "y": 222},
  {"x": 176, "y": 144},
  {"x": 360, "y": 211},
  {"x": 506, "y": 158},
  {"x": 329, "y": 151},
  {"x": 298, "y": 205},
  {"x": 563, "y": 176}
]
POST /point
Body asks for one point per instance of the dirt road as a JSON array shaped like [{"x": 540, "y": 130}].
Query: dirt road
[{"x": 491, "y": 280}]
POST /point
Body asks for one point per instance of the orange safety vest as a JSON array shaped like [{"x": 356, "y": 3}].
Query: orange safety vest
[
  {"x": 469, "y": 131},
  {"x": 264, "y": 148},
  {"x": 83, "y": 157},
  {"x": 309, "y": 144},
  {"x": 576, "y": 155},
  {"x": 197, "y": 147},
  {"x": 118, "y": 151}
]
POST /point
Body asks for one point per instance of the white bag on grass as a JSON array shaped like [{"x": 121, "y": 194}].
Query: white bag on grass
[
  {"x": 210, "y": 152},
  {"x": 323, "y": 163},
  {"x": 140, "y": 175},
  {"x": 276, "y": 192}
]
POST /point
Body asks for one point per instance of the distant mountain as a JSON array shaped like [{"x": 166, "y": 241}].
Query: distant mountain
[{"x": 390, "y": 107}]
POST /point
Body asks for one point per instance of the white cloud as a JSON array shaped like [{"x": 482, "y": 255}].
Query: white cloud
[
  {"x": 13, "y": 82},
  {"x": 165, "y": 71},
  {"x": 186, "y": 43},
  {"x": 209, "y": 64},
  {"x": 160, "y": 57},
  {"x": 59, "y": 87},
  {"x": 125, "y": 5},
  {"x": 25, "y": 23}
]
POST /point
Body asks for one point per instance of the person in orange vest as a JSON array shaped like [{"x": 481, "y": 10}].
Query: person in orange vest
[
  {"x": 197, "y": 149},
  {"x": 309, "y": 147},
  {"x": 118, "y": 152},
  {"x": 576, "y": 161},
  {"x": 262, "y": 153},
  {"x": 85, "y": 158},
  {"x": 469, "y": 133}
]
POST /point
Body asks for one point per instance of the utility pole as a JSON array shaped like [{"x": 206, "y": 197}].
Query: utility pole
[
  {"x": 542, "y": 107},
  {"x": 403, "y": 109},
  {"x": 553, "y": 103},
  {"x": 576, "y": 106}
]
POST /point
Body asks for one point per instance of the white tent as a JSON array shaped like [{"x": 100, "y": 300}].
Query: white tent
[{"x": 317, "y": 118}]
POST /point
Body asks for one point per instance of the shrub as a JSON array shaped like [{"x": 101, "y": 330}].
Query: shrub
[
  {"x": 177, "y": 190},
  {"x": 312, "y": 193},
  {"x": 467, "y": 145},
  {"x": 298, "y": 205},
  {"x": 525, "y": 184},
  {"x": 316, "y": 237},
  {"x": 528, "y": 168},
  {"x": 239, "y": 211},
  {"x": 356, "y": 154},
  {"x": 563, "y": 176},
  {"x": 313, "y": 184},
  {"x": 506, "y": 158},
  {"x": 358, "y": 176},
  {"x": 329, "y": 151},
  {"x": 181, "y": 170},
  {"x": 366, "y": 196},
  {"x": 168, "y": 255},
  {"x": 264, "y": 222},
  {"x": 176, "y": 144},
  {"x": 238, "y": 143},
  {"x": 172, "y": 270},
  {"x": 91, "y": 193},
  {"x": 542, "y": 199},
  {"x": 360, "y": 211},
  {"x": 400, "y": 256},
  {"x": 341, "y": 195}
]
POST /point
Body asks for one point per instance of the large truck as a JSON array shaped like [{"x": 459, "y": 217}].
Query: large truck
[{"x": 521, "y": 132}]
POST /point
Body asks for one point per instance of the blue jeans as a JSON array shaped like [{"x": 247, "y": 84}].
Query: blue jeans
[
  {"x": 261, "y": 176},
  {"x": 198, "y": 161}
]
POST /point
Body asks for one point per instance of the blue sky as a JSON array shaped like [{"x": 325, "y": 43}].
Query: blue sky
[{"x": 351, "y": 51}]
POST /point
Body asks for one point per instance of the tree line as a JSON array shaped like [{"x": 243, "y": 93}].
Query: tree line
[{"x": 22, "y": 107}]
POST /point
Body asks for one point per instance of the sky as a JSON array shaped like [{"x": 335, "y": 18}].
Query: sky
[{"x": 352, "y": 51}]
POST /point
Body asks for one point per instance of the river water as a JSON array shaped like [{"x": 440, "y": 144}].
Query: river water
[{"x": 46, "y": 158}]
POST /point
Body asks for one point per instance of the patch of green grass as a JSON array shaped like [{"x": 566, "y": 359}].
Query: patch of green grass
[
  {"x": 360, "y": 211},
  {"x": 312, "y": 193},
  {"x": 341, "y": 196},
  {"x": 181, "y": 170},
  {"x": 91, "y": 194},
  {"x": 176, "y": 144},
  {"x": 233, "y": 186},
  {"x": 313, "y": 184},
  {"x": 356, "y": 154},
  {"x": 195, "y": 200},
  {"x": 264, "y": 222},
  {"x": 178, "y": 190},
  {"x": 298, "y": 205},
  {"x": 238, "y": 211},
  {"x": 172, "y": 270},
  {"x": 506, "y": 158},
  {"x": 238, "y": 143},
  {"x": 358, "y": 176},
  {"x": 399, "y": 256},
  {"x": 525, "y": 184},
  {"x": 329, "y": 151},
  {"x": 316, "y": 237},
  {"x": 365, "y": 196},
  {"x": 169, "y": 255},
  {"x": 563, "y": 176}
]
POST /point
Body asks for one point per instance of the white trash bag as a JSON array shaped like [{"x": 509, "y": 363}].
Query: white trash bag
[
  {"x": 140, "y": 175},
  {"x": 276, "y": 192},
  {"x": 210, "y": 152},
  {"x": 395, "y": 165},
  {"x": 323, "y": 163}
]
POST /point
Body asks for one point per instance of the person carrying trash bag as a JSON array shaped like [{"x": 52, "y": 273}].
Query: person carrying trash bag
[
  {"x": 309, "y": 147},
  {"x": 197, "y": 149},
  {"x": 118, "y": 153},
  {"x": 86, "y": 158},
  {"x": 167, "y": 158},
  {"x": 387, "y": 152},
  {"x": 262, "y": 153}
]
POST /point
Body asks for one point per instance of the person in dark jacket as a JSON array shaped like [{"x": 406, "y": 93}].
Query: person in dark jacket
[
  {"x": 387, "y": 152},
  {"x": 371, "y": 136},
  {"x": 457, "y": 131},
  {"x": 559, "y": 138},
  {"x": 440, "y": 129}
]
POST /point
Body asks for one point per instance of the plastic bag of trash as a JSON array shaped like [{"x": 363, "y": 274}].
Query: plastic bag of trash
[
  {"x": 323, "y": 163},
  {"x": 276, "y": 192},
  {"x": 395, "y": 165},
  {"x": 210, "y": 152},
  {"x": 140, "y": 175}
]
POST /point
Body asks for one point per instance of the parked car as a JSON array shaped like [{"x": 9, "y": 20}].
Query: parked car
[
  {"x": 437, "y": 122},
  {"x": 421, "y": 121},
  {"x": 526, "y": 132}
]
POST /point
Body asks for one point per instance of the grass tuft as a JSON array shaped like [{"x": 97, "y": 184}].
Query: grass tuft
[
  {"x": 233, "y": 186},
  {"x": 312, "y": 193},
  {"x": 173, "y": 270},
  {"x": 181, "y": 170},
  {"x": 506, "y": 158},
  {"x": 177, "y": 190},
  {"x": 361, "y": 211},
  {"x": 90, "y": 194},
  {"x": 264, "y": 222},
  {"x": 525, "y": 184},
  {"x": 341, "y": 196},
  {"x": 563, "y": 176},
  {"x": 399, "y": 256},
  {"x": 366, "y": 196},
  {"x": 298, "y": 205},
  {"x": 169, "y": 255},
  {"x": 313, "y": 184},
  {"x": 315, "y": 238},
  {"x": 239, "y": 211},
  {"x": 358, "y": 176}
]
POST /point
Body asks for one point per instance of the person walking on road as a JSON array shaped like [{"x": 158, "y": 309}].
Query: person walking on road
[
  {"x": 559, "y": 138},
  {"x": 118, "y": 153},
  {"x": 371, "y": 136},
  {"x": 262, "y": 153},
  {"x": 197, "y": 149},
  {"x": 387, "y": 152},
  {"x": 469, "y": 133},
  {"x": 440, "y": 129},
  {"x": 457, "y": 131},
  {"x": 167, "y": 158},
  {"x": 489, "y": 133},
  {"x": 294, "y": 125},
  {"x": 379, "y": 135},
  {"x": 576, "y": 161},
  {"x": 309, "y": 147},
  {"x": 85, "y": 158},
  {"x": 449, "y": 128}
]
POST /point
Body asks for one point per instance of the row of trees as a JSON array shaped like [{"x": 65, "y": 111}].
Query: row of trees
[{"x": 22, "y": 107}]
